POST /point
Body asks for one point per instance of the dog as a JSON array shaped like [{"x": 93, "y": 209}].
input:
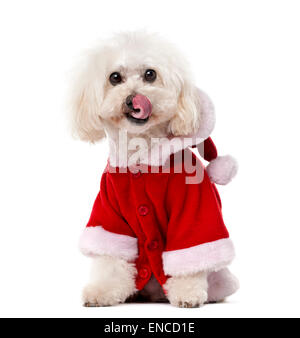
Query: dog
[{"x": 151, "y": 235}]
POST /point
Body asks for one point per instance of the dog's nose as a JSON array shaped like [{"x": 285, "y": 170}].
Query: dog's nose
[
  {"x": 139, "y": 105},
  {"x": 128, "y": 101}
]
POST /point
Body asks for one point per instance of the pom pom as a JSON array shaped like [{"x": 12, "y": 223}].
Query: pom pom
[{"x": 222, "y": 169}]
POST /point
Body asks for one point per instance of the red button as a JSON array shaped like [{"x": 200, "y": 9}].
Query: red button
[
  {"x": 137, "y": 174},
  {"x": 143, "y": 273},
  {"x": 153, "y": 245},
  {"x": 143, "y": 210}
]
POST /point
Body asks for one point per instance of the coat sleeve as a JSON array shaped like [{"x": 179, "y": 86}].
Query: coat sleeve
[
  {"x": 107, "y": 232},
  {"x": 197, "y": 239}
]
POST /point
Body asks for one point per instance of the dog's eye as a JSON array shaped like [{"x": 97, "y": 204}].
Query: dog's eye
[
  {"x": 150, "y": 75},
  {"x": 115, "y": 78}
]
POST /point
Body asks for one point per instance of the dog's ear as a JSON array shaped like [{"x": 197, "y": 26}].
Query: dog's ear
[
  {"x": 86, "y": 98},
  {"x": 195, "y": 113}
]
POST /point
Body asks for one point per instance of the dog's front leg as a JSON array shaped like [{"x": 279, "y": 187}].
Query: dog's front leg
[
  {"x": 112, "y": 281},
  {"x": 187, "y": 290}
]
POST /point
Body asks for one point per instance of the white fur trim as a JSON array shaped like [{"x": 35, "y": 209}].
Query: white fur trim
[
  {"x": 96, "y": 241},
  {"x": 222, "y": 169},
  {"x": 210, "y": 256},
  {"x": 221, "y": 284}
]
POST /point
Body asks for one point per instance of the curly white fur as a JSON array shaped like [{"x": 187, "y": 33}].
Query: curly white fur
[
  {"x": 97, "y": 105},
  {"x": 112, "y": 281},
  {"x": 187, "y": 291}
]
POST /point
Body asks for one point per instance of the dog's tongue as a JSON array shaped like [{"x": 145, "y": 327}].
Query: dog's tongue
[{"x": 144, "y": 105}]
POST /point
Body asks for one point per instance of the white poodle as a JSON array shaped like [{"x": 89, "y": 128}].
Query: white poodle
[{"x": 152, "y": 235}]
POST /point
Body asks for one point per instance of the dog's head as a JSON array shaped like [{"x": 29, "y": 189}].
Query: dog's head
[{"x": 136, "y": 82}]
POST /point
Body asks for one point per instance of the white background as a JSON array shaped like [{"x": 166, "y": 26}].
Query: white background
[{"x": 245, "y": 55}]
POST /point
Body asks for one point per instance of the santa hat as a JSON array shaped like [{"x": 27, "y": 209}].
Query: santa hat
[{"x": 221, "y": 169}]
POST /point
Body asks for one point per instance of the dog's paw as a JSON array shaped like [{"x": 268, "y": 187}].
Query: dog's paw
[
  {"x": 112, "y": 282},
  {"x": 93, "y": 296},
  {"x": 193, "y": 300},
  {"x": 187, "y": 291}
]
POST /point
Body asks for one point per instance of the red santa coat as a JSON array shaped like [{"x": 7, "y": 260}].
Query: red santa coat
[{"x": 157, "y": 220}]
